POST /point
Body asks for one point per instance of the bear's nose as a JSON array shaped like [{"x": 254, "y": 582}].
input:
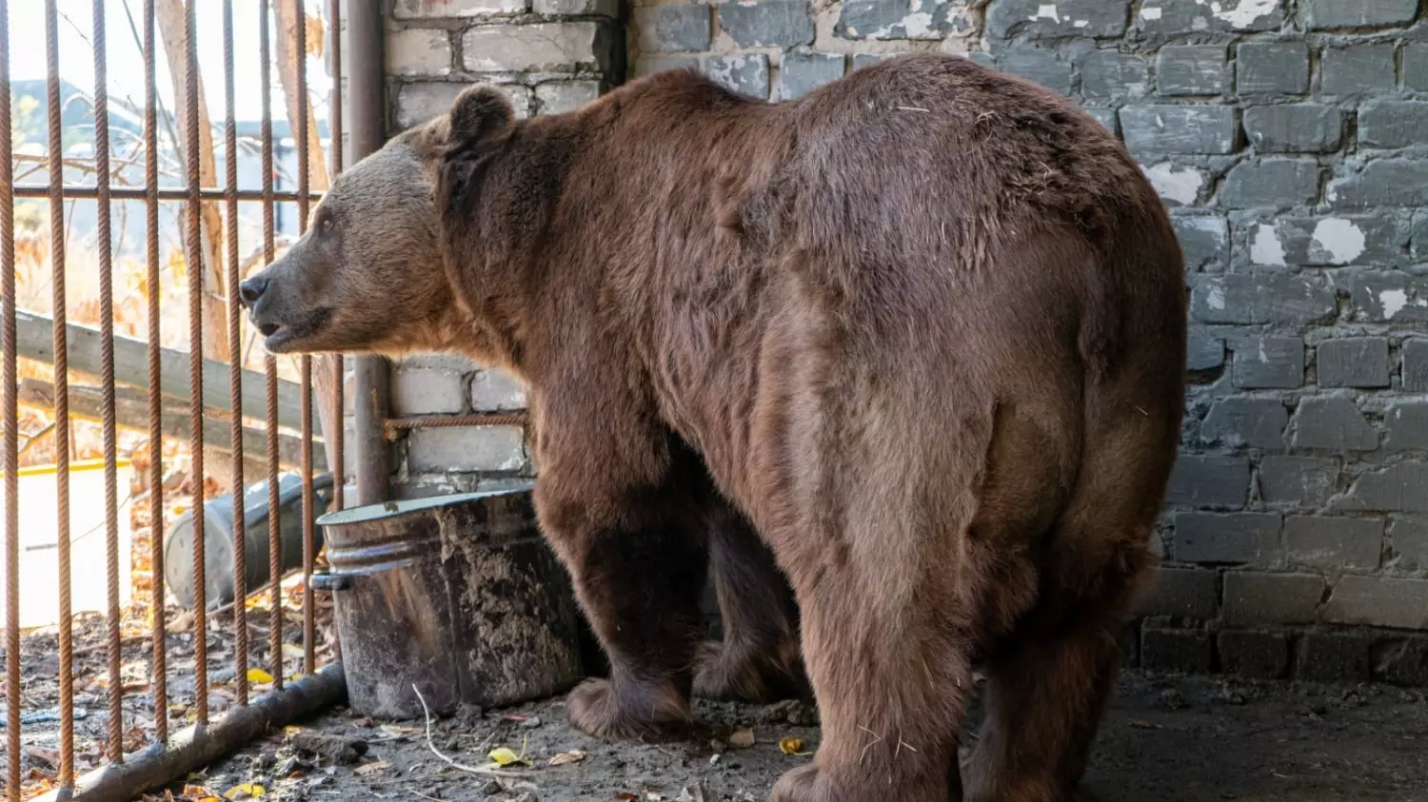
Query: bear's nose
[{"x": 252, "y": 290}]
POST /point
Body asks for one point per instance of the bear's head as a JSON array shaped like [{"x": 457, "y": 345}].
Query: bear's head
[{"x": 369, "y": 274}]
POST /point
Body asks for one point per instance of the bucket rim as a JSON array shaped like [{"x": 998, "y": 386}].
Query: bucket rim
[{"x": 393, "y": 509}]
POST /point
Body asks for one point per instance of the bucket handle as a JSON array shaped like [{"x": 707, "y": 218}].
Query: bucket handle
[{"x": 329, "y": 580}]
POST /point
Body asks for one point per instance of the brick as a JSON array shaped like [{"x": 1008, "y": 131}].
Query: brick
[
  {"x": 1415, "y": 364},
  {"x": 1268, "y": 363},
  {"x": 1302, "y": 481},
  {"x": 1042, "y": 67},
  {"x": 1333, "y": 656},
  {"x": 1415, "y": 66},
  {"x": 1253, "y": 422},
  {"x": 559, "y": 97},
  {"x": 542, "y": 47},
  {"x": 1330, "y": 544},
  {"x": 1178, "y": 17},
  {"x": 1180, "y": 593},
  {"x": 803, "y": 72},
  {"x": 1108, "y": 118},
  {"x": 1333, "y": 424},
  {"x": 1254, "y": 655},
  {"x": 648, "y": 65},
  {"x": 1271, "y": 183},
  {"x": 1382, "y": 182},
  {"x": 1408, "y": 535},
  {"x": 1379, "y": 601},
  {"x": 474, "y": 448},
  {"x": 1191, "y": 70},
  {"x": 418, "y": 51},
  {"x": 1406, "y": 426},
  {"x": 575, "y": 8},
  {"x": 419, "y": 102},
  {"x": 1360, "y": 69},
  {"x": 1253, "y": 597},
  {"x": 1272, "y": 68},
  {"x": 1326, "y": 14},
  {"x": 900, "y": 19},
  {"x": 1237, "y": 537},
  {"x": 427, "y": 391},
  {"x": 672, "y": 29},
  {"x": 1385, "y": 296},
  {"x": 1353, "y": 362},
  {"x": 1204, "y": 353},
  {"x": 1108, "y": 73},
  {"x": 496, "y": 391},
  {"x": 1400, "y": 661},
  {"x": 1035, "y": 18},
  {"x": 1296, "y": 128},
  {"x": 1209, "y": 481},
  {"x": 1180, "y": 129},
  {"x": 747, "y": 75},
  {"x": 1177, "y": 185},
  {"x": 1335, "y": 241},
  {"x": 1204, "y": 241},
  {"x": 1393, "y": 123},
  {"x": 1188, "y": 650},
  {"x": 1245, "y": 299},
  {"x": 1396, "y": 488},
  {"x": 768, "y": 23},
  {"x": 439, "y": 9},
  {"x": 861, "y": 60}
]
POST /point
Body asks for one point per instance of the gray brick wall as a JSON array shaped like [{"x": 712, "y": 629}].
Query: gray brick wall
[{"x": 1288, "y": 139}]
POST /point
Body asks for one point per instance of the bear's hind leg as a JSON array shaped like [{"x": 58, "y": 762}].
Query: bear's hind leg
[{"x": 759, "y": 659}]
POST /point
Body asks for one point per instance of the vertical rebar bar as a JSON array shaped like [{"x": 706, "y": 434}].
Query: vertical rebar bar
[
  {"x": 61, "y": 368},
  {"x": 270, "y": 364},
  {"x": 309, "y": 630},
  {"x": 334, "y": 123},
  {"x": 196, "y": 270},
  {"x": 156, "y": 438},
  {"x": 106, "y": 358},
  {"x": 12, "y": 423},
  {"x": 235, "y": 368}
]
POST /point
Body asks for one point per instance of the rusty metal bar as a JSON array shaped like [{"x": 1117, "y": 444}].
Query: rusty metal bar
[
  {"x": 235, "y": 366},
  {"x": 334, "y": 122},
  {"x": 275, "y": 553},
  {"x": 156, "y": 439},
  {"x": 195, "y": 351},
  {"x": 106, "y": 325},
  {"x": 309, "y": 554},
  {"x": 395, "y": 425},
  {"x": 13, "y": 701},
  {"x": 196, "y": 747},
  {"x": 366, "y": 99},
  {"x": 85, "y": 192},
  {"x": 61, "y": 433}
]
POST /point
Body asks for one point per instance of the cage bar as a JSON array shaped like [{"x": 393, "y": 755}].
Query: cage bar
[{"x": 13, "y": 790}]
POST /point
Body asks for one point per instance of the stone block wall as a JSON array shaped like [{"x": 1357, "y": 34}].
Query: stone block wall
[{"x": 1289, "y": 139}]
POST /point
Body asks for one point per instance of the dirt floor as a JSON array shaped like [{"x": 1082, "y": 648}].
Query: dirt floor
[{"x": 1167, "y": 739}]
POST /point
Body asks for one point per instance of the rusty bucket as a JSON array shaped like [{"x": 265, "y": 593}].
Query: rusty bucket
[{"x": 457, "y": 595}]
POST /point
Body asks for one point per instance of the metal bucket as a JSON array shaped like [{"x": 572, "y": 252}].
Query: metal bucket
[
  {"x": 218, "y": 539},
  {"x": 459, "y": 595}
]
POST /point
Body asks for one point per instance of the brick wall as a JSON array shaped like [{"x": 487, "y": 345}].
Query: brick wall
[{"x": 1289, "y": 139}]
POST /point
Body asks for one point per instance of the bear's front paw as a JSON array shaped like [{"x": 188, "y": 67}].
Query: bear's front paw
[
  {"x": 727, "y": 674},
  {"x": 638, "y": 712},
  {"x": 799, "y": 785}
]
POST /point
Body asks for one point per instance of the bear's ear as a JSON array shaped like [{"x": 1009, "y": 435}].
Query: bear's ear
[{"x": 478, "y": 113}]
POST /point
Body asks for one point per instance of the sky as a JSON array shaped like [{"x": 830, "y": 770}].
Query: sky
[{"x": 126, "y": 64}]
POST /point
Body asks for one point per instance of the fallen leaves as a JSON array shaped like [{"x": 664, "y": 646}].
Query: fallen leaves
[
  {"x": 371, "y": 768},
  {"x": 792, "y": 746},
  {"x": 504, "y": 757},
  {"x": 568, "y": 758},
  {"x": 245, "y": 791},
  {"x": 742, "y": 739}
]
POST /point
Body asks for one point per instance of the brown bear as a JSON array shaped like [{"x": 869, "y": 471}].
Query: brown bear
[{"x": 921, "y": 332}]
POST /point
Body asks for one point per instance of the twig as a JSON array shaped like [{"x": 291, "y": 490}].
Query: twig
[
  {"x": 426, "y": 711},
  {"x": 424, "y": 796}
]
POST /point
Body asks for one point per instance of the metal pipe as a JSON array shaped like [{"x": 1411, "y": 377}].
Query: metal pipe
[
  {"x": 366, "y": 129},
  {"x": 13, "y": 699},
  {"x": 195, "y": 747}
]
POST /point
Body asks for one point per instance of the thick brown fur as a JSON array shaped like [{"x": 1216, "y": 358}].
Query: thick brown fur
[{"x": 922, "y": 331}]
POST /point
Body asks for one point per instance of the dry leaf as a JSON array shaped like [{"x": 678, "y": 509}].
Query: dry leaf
[
  {"x": 50, "y": 756},
  {"x": 743, "y": 739},
  {"x": 245, "y": 791},
  {"x": 503, "y": 756},
  {"x": 791, "y": 746},
  {"x": 258, "y": 676},
  {"x": 1142, "y": 724},
  {"x": 567, "y": 758},
  {"x": 371, "y": 768}
]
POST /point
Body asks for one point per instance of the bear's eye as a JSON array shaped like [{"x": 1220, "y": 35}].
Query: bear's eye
[{"x": 324, "y": 222}]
